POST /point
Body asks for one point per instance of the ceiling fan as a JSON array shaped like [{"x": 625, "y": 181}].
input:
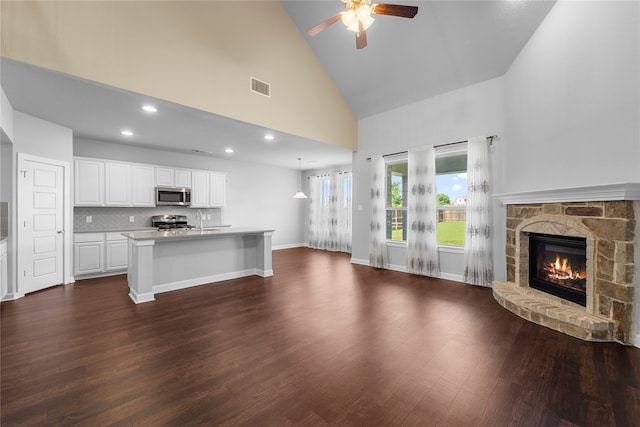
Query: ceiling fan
[{"x": 357, "y": 17}]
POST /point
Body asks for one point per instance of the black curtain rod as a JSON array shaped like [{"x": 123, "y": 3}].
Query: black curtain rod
[{"x": 490, "y": 138}]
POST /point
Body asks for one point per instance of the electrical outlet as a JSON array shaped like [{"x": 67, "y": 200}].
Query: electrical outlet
[
  {"x": 132, "y": 218},
  {"x": 89, "y": 219}
]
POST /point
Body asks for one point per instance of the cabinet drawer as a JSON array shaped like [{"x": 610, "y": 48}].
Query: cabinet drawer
[
  {"x": 88, "y": 237},
  {"x": 114, "y": 236}
]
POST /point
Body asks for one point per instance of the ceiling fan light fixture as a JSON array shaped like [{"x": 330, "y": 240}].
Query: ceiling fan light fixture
[
  {"x": 367, "y": 22},
  {"x": 350, "y": 20},
  {"x": 364, "y": 12}
]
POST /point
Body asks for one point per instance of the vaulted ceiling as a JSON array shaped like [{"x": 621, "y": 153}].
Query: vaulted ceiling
[{"x": 448, "y": 45}]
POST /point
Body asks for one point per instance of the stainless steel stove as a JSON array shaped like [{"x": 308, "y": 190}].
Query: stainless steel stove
[{"x": 166, "y": 222}]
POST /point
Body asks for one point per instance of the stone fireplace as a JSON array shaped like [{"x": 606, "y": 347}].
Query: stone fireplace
[{"x": 605, "y": 232}]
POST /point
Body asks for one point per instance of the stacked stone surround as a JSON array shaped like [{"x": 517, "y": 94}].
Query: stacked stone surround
[{"x": 609, "y": 228}]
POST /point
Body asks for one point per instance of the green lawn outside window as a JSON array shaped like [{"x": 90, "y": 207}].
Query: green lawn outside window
[{"x": 449, "y": 233}]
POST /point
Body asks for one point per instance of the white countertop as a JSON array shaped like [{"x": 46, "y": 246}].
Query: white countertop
[
  {"x": 182, "y": 234},
  {"x": 132, "y": 229}
]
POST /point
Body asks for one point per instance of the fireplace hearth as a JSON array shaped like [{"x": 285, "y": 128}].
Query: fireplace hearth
[
  {"x": 558, "y": 266},
  {"x": 584, "y": 284}
]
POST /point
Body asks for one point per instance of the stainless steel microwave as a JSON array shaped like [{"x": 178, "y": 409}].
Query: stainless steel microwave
[{"x": 170, "y": 196}]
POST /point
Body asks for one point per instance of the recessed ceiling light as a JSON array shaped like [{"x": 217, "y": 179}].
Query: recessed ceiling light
[
  {"x": 228, "y": 150},
  {"x": 149, "y": 108},
  {"x": 127, "y": 132},
  {"x": 269, "y": 137}
]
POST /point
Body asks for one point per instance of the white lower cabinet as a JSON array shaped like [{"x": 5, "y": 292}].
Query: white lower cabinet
[
  {"x": 97, "y": 253},
  {"x": 88, "y": 249},
  {"x": 115, "y": 252}
]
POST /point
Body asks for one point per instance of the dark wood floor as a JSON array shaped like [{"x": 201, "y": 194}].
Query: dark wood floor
[{"x": 323, "y": 342}]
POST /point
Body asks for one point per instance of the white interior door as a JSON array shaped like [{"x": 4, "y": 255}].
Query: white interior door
[{"x": 40, "y": 225}]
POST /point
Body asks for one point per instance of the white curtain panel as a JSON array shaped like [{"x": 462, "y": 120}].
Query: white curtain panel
[
  {"x": 343, "y": 209},
  {"x": 378, "y": 219},
  {"x": 422, "y": 242},
  {"x": 315, "y": 212},
  {"x": 478, "y": 257}
]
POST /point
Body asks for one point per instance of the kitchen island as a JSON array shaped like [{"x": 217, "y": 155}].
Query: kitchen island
[{"x": 168, "y": 260}]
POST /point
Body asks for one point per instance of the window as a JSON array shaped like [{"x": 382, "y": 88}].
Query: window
[
  {"x": 397, "y": 187},
  {"x": 451, "y": 197}
]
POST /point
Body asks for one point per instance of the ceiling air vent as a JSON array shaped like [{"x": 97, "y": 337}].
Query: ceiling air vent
[{"x": 263, "y": 88}]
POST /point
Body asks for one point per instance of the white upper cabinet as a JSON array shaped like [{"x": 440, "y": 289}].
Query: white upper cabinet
[
  {"x": 113, "y": 183},
  {"x": 88, "y": 182},
  {"x": 164, "y": 177},
  {"x": 217, "y": 189},
  {"x": 183, "y": 178},
  {"x": 117, "y": 184},
  {"x": 199, "y": 189},
  {"x": 170, "y": 177},
  {"x": 143, "y": 185}
]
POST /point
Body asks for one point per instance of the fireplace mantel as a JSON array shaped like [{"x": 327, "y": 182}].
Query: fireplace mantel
[{"x": 594, "y": 193}]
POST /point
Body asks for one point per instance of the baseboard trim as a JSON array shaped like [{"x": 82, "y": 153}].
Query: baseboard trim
[
  {"x": 397, "y": 267},
  {"x": 141, "y": 298},
  {"x": 636, "y": 342},
  {"x": 452, "y": 277},
  {"x": 403, "y": 269},
  {"x": 12, "y": 296},
  {"x": 189, "y": 283},
  {"x": 290, "y": 246},
  {"x": 264, "y": 273}
]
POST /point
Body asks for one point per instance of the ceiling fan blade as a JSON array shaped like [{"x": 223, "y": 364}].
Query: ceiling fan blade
[
  {"x": 361, "y": 37},
  {"x": 395, "y": 10},
  {"x": 324, "y": 24}
]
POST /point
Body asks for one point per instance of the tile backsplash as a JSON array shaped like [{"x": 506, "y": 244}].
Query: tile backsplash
[{"x": 118, "y": 218}]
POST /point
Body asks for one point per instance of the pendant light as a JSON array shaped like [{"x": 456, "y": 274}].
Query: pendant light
[{"x": 299, "y": 194}]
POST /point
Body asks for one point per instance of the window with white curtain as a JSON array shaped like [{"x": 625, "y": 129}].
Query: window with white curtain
[
  {"x": 330, "y": 208},
  {"x": 451, "y": 194},
  {"x": 451, "y": 197},
  {"x": 396, "y": 197}
]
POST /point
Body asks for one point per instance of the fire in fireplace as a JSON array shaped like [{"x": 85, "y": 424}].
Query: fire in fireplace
[{"x": 557, "y": 265}]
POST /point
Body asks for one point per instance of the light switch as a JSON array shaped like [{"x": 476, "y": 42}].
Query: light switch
[
  {"x": 89, "y": 218},
  {"x": 132, "y": 218},
  {"x": 359, "y": 207},
  {"x": 209, "y": 216}
]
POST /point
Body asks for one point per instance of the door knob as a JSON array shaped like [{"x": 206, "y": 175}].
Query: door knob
[{"x": 60, "y": 231}]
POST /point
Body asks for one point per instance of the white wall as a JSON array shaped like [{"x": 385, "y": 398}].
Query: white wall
[
  {"x": 6, "y": 115},
  {"x": 257, "y": 195},
  {"x": 454, "y": 116},
  {"x": 41, "y": 138},
  {"x": 572, "y": 102}
]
